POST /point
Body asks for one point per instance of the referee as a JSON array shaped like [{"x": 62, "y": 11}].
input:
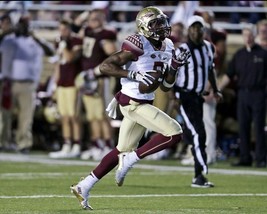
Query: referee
[{"x": 191, "y": 82}]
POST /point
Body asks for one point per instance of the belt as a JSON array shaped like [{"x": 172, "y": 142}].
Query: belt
[{"x": 125, "y": 100}]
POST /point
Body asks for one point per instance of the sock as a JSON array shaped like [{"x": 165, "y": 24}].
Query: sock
[
  {"x": 157, "y": 143},
  {"x": 134, "y": 157},
  {"x": 109, "y": 143},
  {"x": 77, "y": 142},
  {"x": 98, "y": 143},
  {"x": 107, "y": 163},
  {"x": 67, "y": 141},
  {"x": 88, "y": 182}
]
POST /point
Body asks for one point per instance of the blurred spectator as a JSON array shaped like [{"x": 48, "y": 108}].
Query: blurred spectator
[
  {"x": 261, "y": 38},
  {"x": 26, "y": 58},
  {"x": 249, "y": 66},
  {"x": 184, "y": 10},
  {"x": 66, "y": 71},
  {"x": 218, "y": 38},
  {"x": 5, "y": 91},
  {"x": 227, "y": 135},
  {"x": 251, "y": 17},
  {"x": 98, "y": 43},
  {"x": 178, "y": 34}
]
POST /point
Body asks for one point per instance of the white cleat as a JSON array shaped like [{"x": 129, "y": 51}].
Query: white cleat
[
  {"x": 81, "y": 195},
  {"x": 86, "y": 155},
  {"x": 63, "y": 153},
  {"x": 126, "y": 162},
  {"x": 75, "y": 151}
]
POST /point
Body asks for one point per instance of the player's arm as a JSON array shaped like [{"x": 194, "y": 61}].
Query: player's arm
[
  {"x": 132, "y": 48},
  {"x": 46, "y": 46},
  {"x": 213, "y": 83},
  {"x": 130, "y": 51},
  {"x": 109, "y": 47},
  {"x": 224, "y": 81},
  {"x": 112, "y": 66},
  {"x": 176, "y": 62}
]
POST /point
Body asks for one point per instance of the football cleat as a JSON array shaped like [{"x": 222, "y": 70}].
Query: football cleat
[
  {"x": 81, "y": 195},
  {"x": 63, "y": 153},
  {"x": 201, "y": 182},
  {"x": 75, "y": 151},
  {"x": 126, "y": 162}
]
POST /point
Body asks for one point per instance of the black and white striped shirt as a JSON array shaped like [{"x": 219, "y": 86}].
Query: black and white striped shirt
[{"x": 194, "y": 76}]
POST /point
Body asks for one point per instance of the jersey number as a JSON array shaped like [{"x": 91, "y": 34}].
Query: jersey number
[
  {"x": 159, "y": 66},
  {"x": 88, "y": 44}
]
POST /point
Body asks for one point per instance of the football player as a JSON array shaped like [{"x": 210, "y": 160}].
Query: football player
[
  {"x": 98, "y": 43},
  {"x": 148, "y": 50},
  {"x": 67, "y": 68}
]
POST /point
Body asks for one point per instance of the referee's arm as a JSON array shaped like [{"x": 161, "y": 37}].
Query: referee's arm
[{"x": 212, "y": 80}]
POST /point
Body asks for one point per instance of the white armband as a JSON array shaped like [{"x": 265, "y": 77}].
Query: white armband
[
  {"x": 97, "y": 71},
  {"x": 168, "y": 85}
]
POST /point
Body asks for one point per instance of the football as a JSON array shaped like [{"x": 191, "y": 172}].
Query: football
[{"x": 144, "y": 89}]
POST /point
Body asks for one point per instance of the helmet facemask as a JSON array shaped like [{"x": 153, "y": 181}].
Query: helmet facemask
[
  {"x": 153, "y": 23},
  {"x": 159, "y": 28}
]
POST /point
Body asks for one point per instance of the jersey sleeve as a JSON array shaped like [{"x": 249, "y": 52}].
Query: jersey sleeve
[
  {"x": 133, "y": 44},
  {"x": 108, "y": 34}
]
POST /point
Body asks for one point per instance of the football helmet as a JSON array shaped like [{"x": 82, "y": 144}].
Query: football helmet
[
  {"x": 87, "y": 82},
  {"x": 51, "y": 113},
  {"x": 151, "y": 22}
]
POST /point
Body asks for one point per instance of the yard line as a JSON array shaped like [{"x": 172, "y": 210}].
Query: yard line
[
  {"x": 44, "y": 159},
  {"x": 139, "y": 196}
]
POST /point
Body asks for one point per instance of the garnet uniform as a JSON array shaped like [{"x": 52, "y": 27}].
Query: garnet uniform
[
  {"x": 93, "y": 55},
  {"x": 67, "y": 74}
]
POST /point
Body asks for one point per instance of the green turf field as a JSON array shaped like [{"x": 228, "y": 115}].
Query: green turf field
[{"x": 37, "y": 184}]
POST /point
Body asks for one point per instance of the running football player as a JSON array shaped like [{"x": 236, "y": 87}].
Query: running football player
[{"x": 149, "y": 49}]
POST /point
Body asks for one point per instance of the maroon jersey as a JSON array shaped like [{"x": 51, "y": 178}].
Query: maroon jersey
[
  {"x": 93, "y": 53},
  {"x": 68, "y": 71}
]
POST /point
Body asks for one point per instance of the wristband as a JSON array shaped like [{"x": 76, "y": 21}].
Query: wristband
[
  {"x": 97, "y": 71},
  {"x": 131, "y": 75},
  {"x": 167, "y": 85}
]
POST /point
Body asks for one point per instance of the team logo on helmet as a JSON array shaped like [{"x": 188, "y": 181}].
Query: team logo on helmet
[{"x": 153, "y": 23}]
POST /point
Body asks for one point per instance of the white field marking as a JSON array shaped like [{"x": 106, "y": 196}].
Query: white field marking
[
  {"x": 44, "y": 159},
  {"x": 139, "y": 196},
  {"x": 36, "y": 175}
]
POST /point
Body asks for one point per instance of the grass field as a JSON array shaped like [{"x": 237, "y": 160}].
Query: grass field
[{"x": 37, "y": 184}]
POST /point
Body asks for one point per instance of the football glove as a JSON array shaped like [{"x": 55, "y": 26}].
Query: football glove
[
  {"x": 141, "y": 76},
  {"x": 181, "y": 59}
]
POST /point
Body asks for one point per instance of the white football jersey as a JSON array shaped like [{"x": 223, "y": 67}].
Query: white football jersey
[{"x": 147, "y": 58}]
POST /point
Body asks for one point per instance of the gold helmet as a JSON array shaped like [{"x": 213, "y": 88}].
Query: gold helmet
[{"x": 151, "y": 22}]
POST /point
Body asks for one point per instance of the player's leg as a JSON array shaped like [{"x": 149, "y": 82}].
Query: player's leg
[
  {"x": 82, "y": 189},
  {"x": 74, "y": 122},
  {"x": 62, "y": 96},
  {"x": 169, "y": 131},
  {"x": 152, "y": 118}
]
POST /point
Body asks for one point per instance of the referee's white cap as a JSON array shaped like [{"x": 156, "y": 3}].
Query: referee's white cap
[{"x": 194, "y": 19}]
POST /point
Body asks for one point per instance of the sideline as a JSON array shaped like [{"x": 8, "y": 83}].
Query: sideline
[
  {"x": 139, "y": 196},
  {"x": 44, "y": 159}
]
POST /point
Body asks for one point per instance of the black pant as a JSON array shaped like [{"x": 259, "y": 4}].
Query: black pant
[
  {"x": 194, "y": 130},
  {"x": 251, "y": 108}
]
